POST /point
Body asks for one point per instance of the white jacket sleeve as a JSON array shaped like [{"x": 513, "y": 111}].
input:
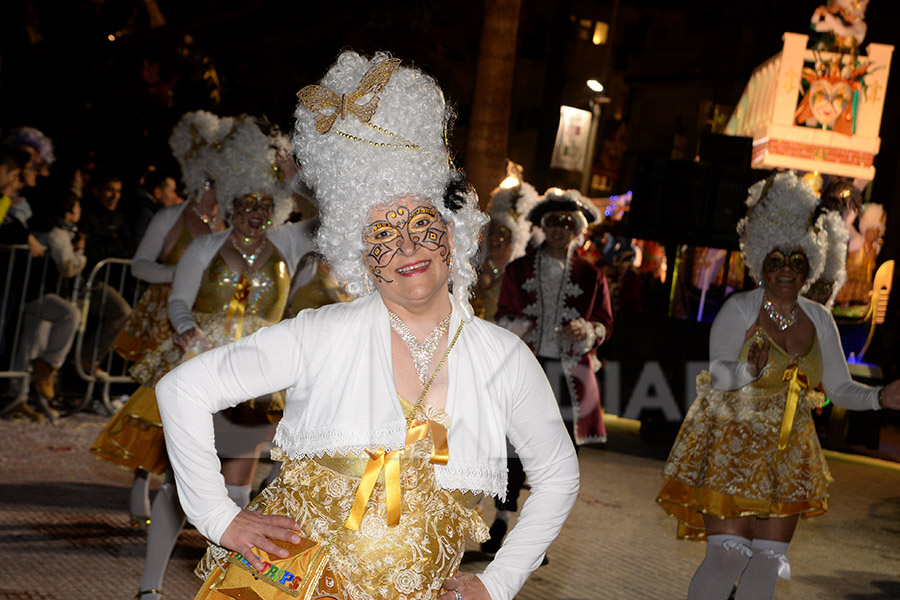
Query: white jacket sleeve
[
  {"x": 145, "y": 264},
  {"x": 839, "y": 387},
  {"x": 254, "y": 366},
  {"x": 537, "y": 432},
  {"x": 188, "y": 276},
  {"x": 725, "y": 340}
]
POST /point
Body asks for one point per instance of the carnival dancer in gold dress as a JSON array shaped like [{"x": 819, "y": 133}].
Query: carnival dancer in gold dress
[
  {"x": 399, "y": 403},
  {"x": 133, "y": 437},
  {"x": 228, "y": 285},
  {"x": 747, "y": 463}
]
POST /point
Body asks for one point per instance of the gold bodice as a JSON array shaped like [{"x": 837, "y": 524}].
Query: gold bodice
[
  {"x": 171, "y": 257},
  {"x": 268, "y": 288},
  {"x": 771, "y": 378}
]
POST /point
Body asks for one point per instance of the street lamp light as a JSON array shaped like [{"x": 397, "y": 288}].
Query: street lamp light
[{"x": 596, "y": 101}]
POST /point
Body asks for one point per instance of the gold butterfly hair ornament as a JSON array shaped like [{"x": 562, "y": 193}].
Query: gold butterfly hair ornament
[{"x": 328, "y": 105}]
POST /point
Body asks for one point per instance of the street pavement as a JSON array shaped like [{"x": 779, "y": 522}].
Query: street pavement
[{"x": 64, "y": 531}]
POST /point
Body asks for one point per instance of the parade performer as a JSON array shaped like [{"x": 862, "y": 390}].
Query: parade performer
[
  {"x": 507, "y": 237},
  {"x": 559, "y": 304},
  {"x": 227, "y": 285},
  {"x": 402, "y": 381},
  {"x": 747, "y": 462},
  {"x": 133, "y": 437}
]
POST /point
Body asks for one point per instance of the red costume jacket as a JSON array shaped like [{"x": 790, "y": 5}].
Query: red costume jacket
[{"x": 585, "y": 295}]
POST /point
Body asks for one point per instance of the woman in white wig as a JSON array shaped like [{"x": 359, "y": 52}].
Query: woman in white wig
[
  {"x": 747, "y": 463},
  {"x": 227, "y": 285},
  {"x": 507, "y": 237},
  {"x": 133, "y": 437},
  {"x": 398, "y": 403}
]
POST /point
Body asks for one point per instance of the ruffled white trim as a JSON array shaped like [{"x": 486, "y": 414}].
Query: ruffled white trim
[
  {"x": 339, "y": 440},
  {"x": 473, "y": 477}
]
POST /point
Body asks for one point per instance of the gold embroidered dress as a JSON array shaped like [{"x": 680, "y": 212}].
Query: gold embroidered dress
[
  {"x": 228, "y": 305},
  {"x": 726, "y": 459},
  {"x": 148, "y": 326},
  {"x": 406, "y": 561}
]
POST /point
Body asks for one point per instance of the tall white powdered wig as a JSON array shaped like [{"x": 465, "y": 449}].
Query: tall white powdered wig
[
  {"x": 193, "y": 142},
  {"x": 510, "y": 204},
  {"x": 370, "y": 133},
  {"x": 248, "y": 161},
  {"x": 781, "y": 214}
]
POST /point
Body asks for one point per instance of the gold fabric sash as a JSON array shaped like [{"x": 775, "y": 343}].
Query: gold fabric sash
[
  {"x": 390, "y": 462},
  {"x": 798, "y": 382},
  {"x": 237, "y": 306}
]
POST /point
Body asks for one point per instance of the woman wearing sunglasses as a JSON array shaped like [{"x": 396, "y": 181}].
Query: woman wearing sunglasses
[{"x": 747, "y": 462}]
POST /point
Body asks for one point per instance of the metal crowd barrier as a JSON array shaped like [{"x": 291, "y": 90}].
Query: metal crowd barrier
[{"x": 18, "y": 271}]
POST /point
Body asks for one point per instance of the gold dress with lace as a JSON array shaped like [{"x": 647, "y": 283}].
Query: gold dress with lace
[
  {"x": 726, "y": 459},
  {"x": 406, "y": 561},
  {"x": 229, "y": 305},
  {"x": 148, "y": 326}
]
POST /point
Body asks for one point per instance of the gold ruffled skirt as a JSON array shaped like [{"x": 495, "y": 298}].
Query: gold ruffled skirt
[
  {"x": 134, "y": 437},
  {"x": 407, "y": 561},
  {"x": 725, "y": 461},
  {"x": 148, "y": 326}
]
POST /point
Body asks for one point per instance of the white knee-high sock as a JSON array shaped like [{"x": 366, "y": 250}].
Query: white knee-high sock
[
  {"x": 239, "y": 493},
  {"x": 166, "y": 521},
  {"x": 726, "y": 558},
  {"x": 769, "y": 562},
  {"x": 140, "y": 494}
]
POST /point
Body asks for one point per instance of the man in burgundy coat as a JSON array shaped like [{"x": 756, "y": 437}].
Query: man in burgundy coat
[{"x": 559, "y": 305}]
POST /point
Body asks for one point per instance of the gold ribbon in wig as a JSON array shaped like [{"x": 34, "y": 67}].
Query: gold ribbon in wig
[
  {"x": 237, "y": 306},
  {"x": 798, "y": 382},
  {"x": 390, "y": 462},
  {"x": 320, "y": 99}
]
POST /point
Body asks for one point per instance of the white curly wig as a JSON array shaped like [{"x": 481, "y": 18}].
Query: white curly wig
[
  {"x": 780, "y": 213},
  {"x": 193, "y": 140},
  {"x": 509, "y": 207},
  {"x": 355, "y": 166},
  {"x": 835, "y": 268},
  {"x": 246, "y": 161}
]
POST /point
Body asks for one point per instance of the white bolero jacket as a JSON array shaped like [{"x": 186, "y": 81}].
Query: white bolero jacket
[
  {"x": 145, "y": 263},
  {"x": 727, "y": 337},
  {"x": 335, "y": 365}
]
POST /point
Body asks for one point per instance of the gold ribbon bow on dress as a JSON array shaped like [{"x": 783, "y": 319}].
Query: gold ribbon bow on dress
[
  {"x": 319, "y": 99},
  {"x": 798, "y": 382},
  {"x": 390, "y": 462},
  {"x": 237, "y": 306}
]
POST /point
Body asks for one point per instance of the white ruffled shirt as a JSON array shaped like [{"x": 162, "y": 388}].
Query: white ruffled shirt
[
  {"x": 727, "y": 337},
  {"x": 335, "y": 365}
]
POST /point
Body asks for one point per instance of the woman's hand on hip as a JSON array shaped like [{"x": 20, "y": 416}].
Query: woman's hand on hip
[
  {"x": 464, "y": 586},
  {"x": 255, "y": 530}
]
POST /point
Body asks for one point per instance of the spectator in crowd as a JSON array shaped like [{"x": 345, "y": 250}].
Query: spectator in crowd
[
  {"x": 157, "y": 190},
  {"x": 11, "y": 164},
  {"x": 51, "y": 321},
  {"x": 110, "y": 237}
]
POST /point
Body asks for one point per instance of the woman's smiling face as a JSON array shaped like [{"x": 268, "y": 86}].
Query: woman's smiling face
[{"x": 407, "y": 250}]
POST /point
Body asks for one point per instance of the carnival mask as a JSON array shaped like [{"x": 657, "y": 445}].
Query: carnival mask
[
  {"x": 405, "y": 230},
  {"x": 796, "y": 260}
]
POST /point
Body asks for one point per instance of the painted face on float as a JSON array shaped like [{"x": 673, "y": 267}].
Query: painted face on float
[{"x": 402, "y": 231}]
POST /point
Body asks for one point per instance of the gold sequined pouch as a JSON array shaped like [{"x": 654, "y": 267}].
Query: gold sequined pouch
[{"x": 294, "y": 577}]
